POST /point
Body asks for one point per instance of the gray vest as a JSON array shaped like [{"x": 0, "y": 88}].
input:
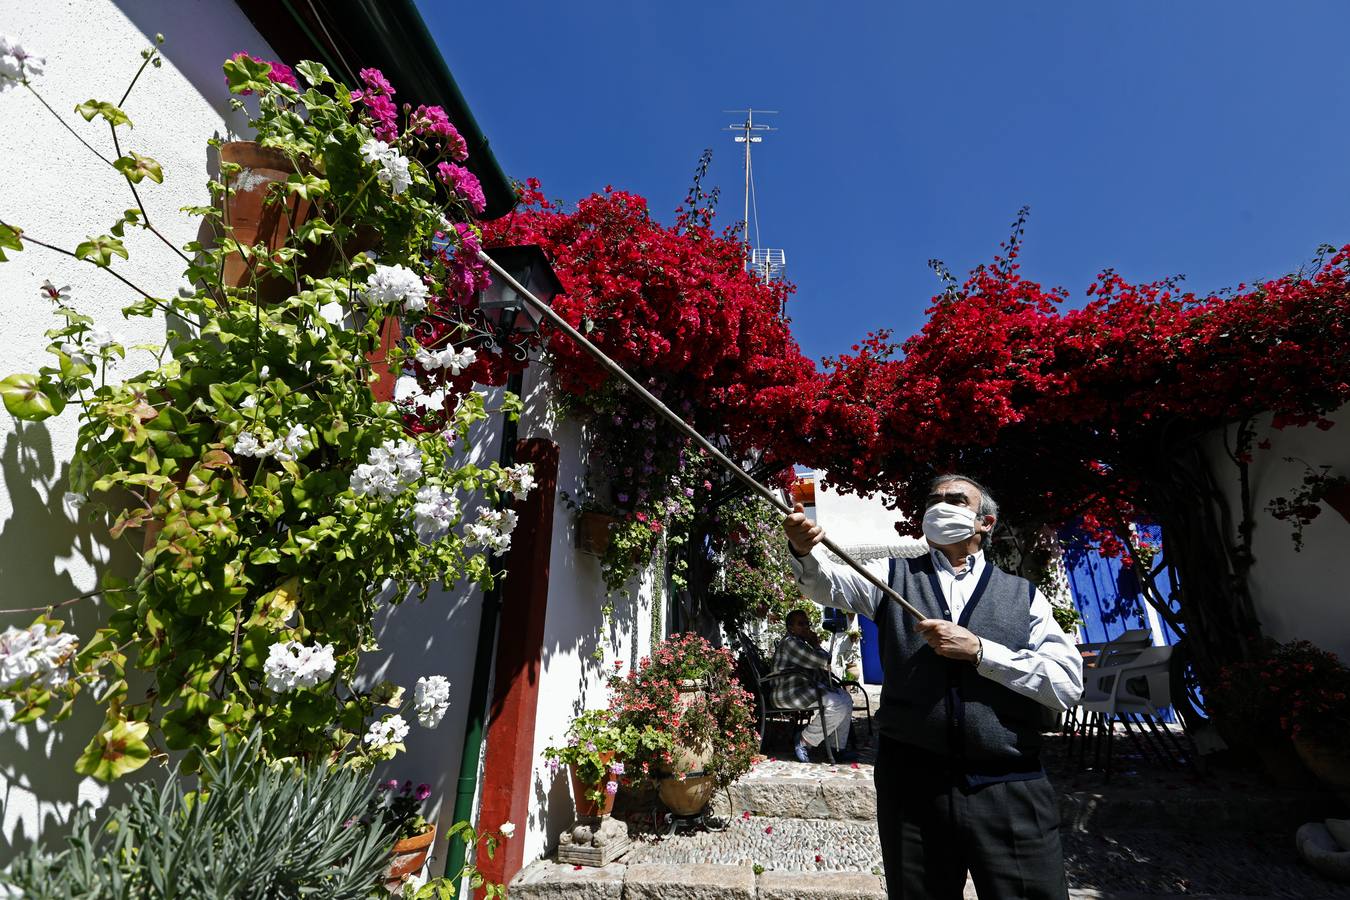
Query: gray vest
[{"x": 944, "y": 706}]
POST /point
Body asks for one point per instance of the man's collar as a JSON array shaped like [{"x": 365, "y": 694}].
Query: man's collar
[{"x": 973, "y": 561}]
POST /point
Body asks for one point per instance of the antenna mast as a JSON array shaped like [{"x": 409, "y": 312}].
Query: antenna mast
[{"x": 768, "y": 263}]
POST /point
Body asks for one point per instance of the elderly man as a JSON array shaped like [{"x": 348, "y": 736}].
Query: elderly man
[
  {"x": 960, "y": 787},
  {"x": 808, "y": 666}
]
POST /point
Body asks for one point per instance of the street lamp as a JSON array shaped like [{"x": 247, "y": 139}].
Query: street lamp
[{"x": 506, "y": 312}]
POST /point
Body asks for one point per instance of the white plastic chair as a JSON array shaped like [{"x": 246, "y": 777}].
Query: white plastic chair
[{"x": 1135, "y": 690}]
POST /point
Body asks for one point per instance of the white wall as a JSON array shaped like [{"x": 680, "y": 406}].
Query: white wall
[
  {"x": 60, "y": 193},
  {"x": 853, "y": 521},
  {"x": 1298, "y": 596}
]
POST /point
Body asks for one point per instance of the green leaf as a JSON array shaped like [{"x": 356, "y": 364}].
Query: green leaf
[
  {"x": 137, "y": 168},
  {"x": 100, "y": 250},
  {"x": 9, "y": 240},
  {"x": 244, "y": 74},
  {"x": 31, "y": 398},
  {"x": 115, "y": 751},
  {"x": 307, "y": 186},
  {"x": 314, "y": 73},
  {"x": 90, "y": 108}
]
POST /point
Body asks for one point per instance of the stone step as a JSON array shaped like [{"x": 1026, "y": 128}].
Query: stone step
[{"x": 547, "y": 880}]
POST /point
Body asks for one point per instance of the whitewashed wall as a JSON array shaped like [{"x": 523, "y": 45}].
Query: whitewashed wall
[
  {"x": 60, "y": 193},
  {"x": 1298, "y": 596},
  {"x": 853, "y": 521}
]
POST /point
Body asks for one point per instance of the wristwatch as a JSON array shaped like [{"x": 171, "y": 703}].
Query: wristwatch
[{"x": 979, "y": 654}]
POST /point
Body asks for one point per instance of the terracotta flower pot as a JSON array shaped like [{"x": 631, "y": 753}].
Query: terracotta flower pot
[
  {"x": 586, "y": 807},
  {"x": 1329, "y": 766},
  {"x": 252, "y": 219},
  {"x": 408, "y": 857},
  {"x": 593, "y": 532}
]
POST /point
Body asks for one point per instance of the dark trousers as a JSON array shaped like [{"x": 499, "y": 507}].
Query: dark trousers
[{"x": 934, "y": 829}]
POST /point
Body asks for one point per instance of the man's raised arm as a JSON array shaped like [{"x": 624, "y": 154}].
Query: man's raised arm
[{"x": 821, "y": 579}]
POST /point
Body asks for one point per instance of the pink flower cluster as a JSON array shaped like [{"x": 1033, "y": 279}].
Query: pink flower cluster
[
  {"x": 433, "y": 120},
  {"x": 378, "y": 98},
  {"x": 463, "y": 184}
]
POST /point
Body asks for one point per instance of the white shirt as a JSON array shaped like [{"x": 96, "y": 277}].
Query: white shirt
[{"x": 1050, "y": 671}]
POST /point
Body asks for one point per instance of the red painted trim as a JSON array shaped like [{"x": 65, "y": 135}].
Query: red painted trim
[
  {"x": 390, "y": 334},
  {"x": 508, "y": 766}
]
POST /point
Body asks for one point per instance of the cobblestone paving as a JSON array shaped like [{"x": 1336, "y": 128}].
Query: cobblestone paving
[{"x": 790, "y": 845}]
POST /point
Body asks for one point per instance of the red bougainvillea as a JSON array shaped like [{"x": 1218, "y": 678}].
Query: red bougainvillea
[
  {"x": 1065, "y": 411},
  {"x": 673, "y": 305}
]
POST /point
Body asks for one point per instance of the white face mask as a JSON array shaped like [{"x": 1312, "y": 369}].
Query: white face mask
[{"x": 946, "y": 523}]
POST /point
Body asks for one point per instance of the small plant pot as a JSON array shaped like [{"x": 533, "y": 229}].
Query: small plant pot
[
  {"x": 585, "y": 806},
  {"x": 408, "y": 857},
  {"x": 593, "y": 532}
]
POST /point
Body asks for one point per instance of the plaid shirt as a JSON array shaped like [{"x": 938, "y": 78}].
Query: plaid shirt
[{"x": 808, "y": 665}]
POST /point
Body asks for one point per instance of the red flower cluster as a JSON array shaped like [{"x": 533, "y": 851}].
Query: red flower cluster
[
  {"x": 1066, "y": 412},
  {"x": 672, "y": 304}
]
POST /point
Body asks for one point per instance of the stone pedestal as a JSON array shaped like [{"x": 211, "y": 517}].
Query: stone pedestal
[{"x": 594, "y": 842}]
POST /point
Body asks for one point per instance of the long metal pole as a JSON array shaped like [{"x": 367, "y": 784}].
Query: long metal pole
[{"x": 688, "y": 430}]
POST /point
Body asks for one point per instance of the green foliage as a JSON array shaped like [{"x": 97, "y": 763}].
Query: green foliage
[
  {"x": 597, "y": 746},
  {"x": 245, "y": 830},
  {"x": 230, "y": 463},
  {"x": 753, "y": 579}
]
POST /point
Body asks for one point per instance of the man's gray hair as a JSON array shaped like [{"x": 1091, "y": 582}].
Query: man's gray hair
[{"x": 988, "y": 505}]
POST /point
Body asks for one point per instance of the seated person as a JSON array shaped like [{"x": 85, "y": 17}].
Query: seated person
[{"x": 800, "y": 653}]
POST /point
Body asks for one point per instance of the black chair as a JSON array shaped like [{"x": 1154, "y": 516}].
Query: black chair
[
  {"x": 836, "y": 622},
  {"x": 760, "y": 684}
]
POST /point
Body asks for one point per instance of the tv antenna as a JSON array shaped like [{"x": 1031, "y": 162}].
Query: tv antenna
[{"x": 765, "y": 262}]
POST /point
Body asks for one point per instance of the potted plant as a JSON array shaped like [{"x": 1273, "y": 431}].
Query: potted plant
[
  {"x": 594, "y": 753},
  {"x": 399, "y": 810},
  {"x": 1317, "y": 711},
  {"x": 687, "y": 691}
]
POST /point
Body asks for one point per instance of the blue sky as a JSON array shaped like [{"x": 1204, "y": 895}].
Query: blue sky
[{"x": 1205, "y": 138}]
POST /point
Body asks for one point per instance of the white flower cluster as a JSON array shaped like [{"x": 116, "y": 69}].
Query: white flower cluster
[
  {"x": 92, "y": 345},
  {"x": 435, "y": 511},
  {"x": 395, "y": 284},
  {"x": 493, "y": 529},
  {"x": 288, "y": 447},
  {"x": 447, "y": 358},
  {"x": 431, "y": 698},
  {"x": 292, "y": 665},
  {"x": 393, "y": 165},
  {"x": 35, "y": 652},
  {"x": 390, "y": 730},
  {"x": 388, "y": 470},
  {"x": 16, "y": 63},
  {"x": 520, "y": 479}
]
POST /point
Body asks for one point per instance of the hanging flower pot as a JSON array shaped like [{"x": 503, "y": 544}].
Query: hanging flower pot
[
  {"x": 408, "y": 857},
  {"x": 257, "y": 211},
  {"x": 593, "y": 532},
  {"x": 582, "y": 793}
]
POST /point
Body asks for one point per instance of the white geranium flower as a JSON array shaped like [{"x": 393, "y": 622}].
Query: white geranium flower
[
  {"x": 388, "y": 470},
  {"x": 458, "y": 360},
  {"x": 373, "y": 151},
  {"x": 493, "y": 529},
  {"x": 291, "y": 665},
  {"x": 395, "y": 284},
  {"x": 393, "y": 166},
  {"x": 390, "y": 730},
  {"x": 16, "y": 63},
  {"x": 249, "y": 402},
  {"x": 435, "y": 511},
  {"x": 291, "y": 444},
  {"x": 431, "y": 698},
  {"x": 53, "y": 293},
  {"x": 36, "y": 652},
  {"x": 246, "y": 444},
  {"x": 507, "y": 829},
  {"x": 412, "y": 883},
  {"x": 520, "y": 479}
]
